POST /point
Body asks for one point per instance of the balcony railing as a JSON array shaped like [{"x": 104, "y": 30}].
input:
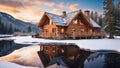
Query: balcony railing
[{"x": 88, "y": 34}]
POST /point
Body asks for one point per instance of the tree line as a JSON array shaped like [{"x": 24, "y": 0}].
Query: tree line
[
  {"x": 10, "y": 29},
  {"x": 110, "y": 20},
  {"x": 112, "y": 17}
]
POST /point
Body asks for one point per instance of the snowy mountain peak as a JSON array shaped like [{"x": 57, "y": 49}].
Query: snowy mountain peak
[{"x": 9, "y": 21}]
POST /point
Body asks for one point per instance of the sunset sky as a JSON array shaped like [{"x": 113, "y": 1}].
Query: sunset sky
[{"x": 32, "y": 10}]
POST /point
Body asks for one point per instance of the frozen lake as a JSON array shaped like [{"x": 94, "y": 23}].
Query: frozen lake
[{"x": 104, "y": 52}]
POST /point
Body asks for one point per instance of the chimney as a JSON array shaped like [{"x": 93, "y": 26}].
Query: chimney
[
  {"x": 86, "y": 13},
  {"x": 64, "y": 13}
]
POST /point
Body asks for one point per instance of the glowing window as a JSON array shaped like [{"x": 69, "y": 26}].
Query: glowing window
[
  {"x": 75, "y": 22},
  {"x": 62, "y": 30},
  {"x": 50, "y": 22},
  {"x": 90, "y": 30},
  {"x": 82, "y": 30}
]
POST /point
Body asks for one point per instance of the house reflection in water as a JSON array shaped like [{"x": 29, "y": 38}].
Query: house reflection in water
[
  {"x": 71, "y": 56},
  {"x": 68, "y": 55}
]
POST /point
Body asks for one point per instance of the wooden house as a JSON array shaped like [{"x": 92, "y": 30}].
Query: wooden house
[{"x": 72, "y": 25}]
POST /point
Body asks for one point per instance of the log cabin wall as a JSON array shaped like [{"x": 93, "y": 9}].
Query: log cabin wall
[
  {"x": 77, "y": 27},
  {"x": 61, "y": 30},
  {"x": 49, "y": 29}
]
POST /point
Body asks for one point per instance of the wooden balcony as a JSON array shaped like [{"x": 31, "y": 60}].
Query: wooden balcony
[{"x": 86, "y": 35}]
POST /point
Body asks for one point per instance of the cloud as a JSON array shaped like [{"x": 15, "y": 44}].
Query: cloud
[
  {"x": 8, "y": 9},
  {"x": 30, "y": 14},
  {"x": 12, "y": 3},
  {"x": 61, "y": 5},
  {"x": 67, "y": 6},
  {"x": 49, "y": 4},
  {"x": 26, "y": 10},
  {"x": 29, "y": 10},
  {"x": 73, "y": 7},
  {"x": 56, "y": 11}
]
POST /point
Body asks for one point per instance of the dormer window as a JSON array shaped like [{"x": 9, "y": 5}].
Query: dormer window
[
  {"x": 50, "y": 22},
  {"x": 80, "y": 22},
  {"x": 75, "y": 21}
]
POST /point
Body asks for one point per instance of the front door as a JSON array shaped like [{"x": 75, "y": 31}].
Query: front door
[{"x": 73, "y": 33}]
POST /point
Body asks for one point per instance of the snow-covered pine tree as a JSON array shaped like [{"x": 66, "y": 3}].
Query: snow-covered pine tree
[
  {"x": 117, "y": 18},
  {"x": 109, "y": 17}
]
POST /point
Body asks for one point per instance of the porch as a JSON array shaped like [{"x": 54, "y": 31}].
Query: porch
[{"x": 87, "y": 35}]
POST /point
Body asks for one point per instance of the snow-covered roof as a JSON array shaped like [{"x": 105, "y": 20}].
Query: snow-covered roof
[
  {"x": 60, "y": 20},
  {"x": 65, "y": 20},
  {"x": 71, "y": 15},
  {"x": 94, "y": 24}
]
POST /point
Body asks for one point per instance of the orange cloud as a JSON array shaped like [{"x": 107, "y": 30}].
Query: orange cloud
[
  {"x": 8, "y": 9},
  {"x": 61, "y": 5},
  {"x": 32, "y": 13},
  {"x": 29, "y": 10},
  {"x": 56, "y": 11},
  {"x": 49, "y": 4},
  {"x": 73, "y": 7}
]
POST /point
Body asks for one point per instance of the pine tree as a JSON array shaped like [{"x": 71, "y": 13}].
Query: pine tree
[
  {"x": 100, "y": 21},
  {"x": 0, "y": 26},
  {"x": 117, "y": 18},
  {"x": 3, "y": 28},
  {"x": 11, "y": 29},
  {"x": 92, "y": 15},
  {"x": 96, "y": 17},
  {"x": 29, "y": 29},
  {"x": 109, "y": 17}
]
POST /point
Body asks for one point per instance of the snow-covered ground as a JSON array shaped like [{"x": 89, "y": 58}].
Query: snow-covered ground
[
  {"x": 4, "y": 64},
  {"x": 92, "y": 44},
  {"x": 28, "y": 55}
]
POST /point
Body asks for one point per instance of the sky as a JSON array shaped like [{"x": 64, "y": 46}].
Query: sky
[{"x": 32, "y": 10}]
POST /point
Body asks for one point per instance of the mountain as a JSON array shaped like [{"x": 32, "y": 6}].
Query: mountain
[{"x": 8, "y": 25}]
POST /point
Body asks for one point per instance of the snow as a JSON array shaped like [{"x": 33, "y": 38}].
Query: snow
[
  {"x": 59, "y": 20},
  {"x": 28, "y": 55},
  {"x": 71, "y": 15},
  {"x": 92, "y": 44},
  {"x": 94, "y": 23},
  {"x": 4, "y": 64},
  {"x": 2, "y": 35},
  {"x": 63, "y": 21}
]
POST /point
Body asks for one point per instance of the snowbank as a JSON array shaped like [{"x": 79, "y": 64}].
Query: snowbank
[
  {"x": 12, "y": 65},
  {"x": 92, "y": 44}
]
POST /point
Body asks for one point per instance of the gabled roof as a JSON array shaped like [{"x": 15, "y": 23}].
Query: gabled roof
[
  {"x": 94, "y": 24},
  {"x": 58, "y": 20},
  {"x": 64, "y": 21}
]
